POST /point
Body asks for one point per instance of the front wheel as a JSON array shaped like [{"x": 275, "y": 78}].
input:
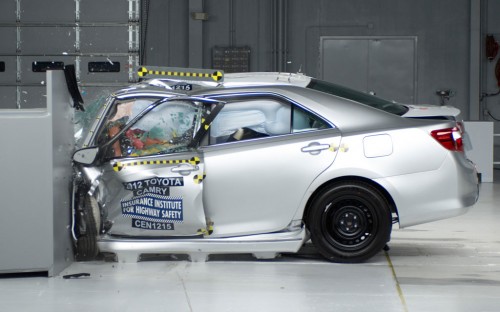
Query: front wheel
[
  {"x": 350, "y": 222},
  {"x": 88, "y": 224}
]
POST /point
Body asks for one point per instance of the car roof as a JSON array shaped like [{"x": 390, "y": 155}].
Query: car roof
[
  {"x": 263, "y": 78},
  {"x": 231, "y": 80},
  {"x": 253, "y": 79},
  {"x": 168, "y": 87},
  {"x": 142, "y": 88}
]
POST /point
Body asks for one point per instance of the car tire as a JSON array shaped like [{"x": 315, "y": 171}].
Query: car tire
[
  {"x": 88, "y": 217},
  {"x": 350, "y": 222}
]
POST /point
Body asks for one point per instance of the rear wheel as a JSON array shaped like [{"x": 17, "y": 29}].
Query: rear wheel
[
  {"x": 88, "y": 221},
  {"x": 350, "y": 222}
]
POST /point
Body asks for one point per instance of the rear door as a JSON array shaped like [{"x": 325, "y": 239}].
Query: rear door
[
  {"x": 152, "y": 181},
  {"x": 263, "y": 154}
]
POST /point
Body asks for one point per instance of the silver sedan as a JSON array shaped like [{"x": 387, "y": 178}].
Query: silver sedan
[{"x": 260, "y": 170}]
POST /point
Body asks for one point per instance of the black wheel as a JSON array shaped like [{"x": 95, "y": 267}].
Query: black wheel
[
  {"x": 87, "y": 228},
  {"x": 350, "y": 222}
]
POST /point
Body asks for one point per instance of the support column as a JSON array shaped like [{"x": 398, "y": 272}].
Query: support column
[
  {"x": 195, "y": 34},
  {"x": 475, "y": 60}
]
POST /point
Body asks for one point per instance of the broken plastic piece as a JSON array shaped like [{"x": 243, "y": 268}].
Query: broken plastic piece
[{"x": 76, "y": 275}]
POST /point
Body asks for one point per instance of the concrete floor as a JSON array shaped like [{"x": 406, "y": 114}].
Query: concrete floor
[{"x": 451, "y": 265}]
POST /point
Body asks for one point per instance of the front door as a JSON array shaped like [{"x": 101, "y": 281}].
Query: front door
[
  {"x": 151, "y": 184},
  {"x": 156, "y": 196}
]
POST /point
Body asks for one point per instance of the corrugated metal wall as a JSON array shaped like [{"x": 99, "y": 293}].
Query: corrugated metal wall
[{"x": 91, "y": 34}]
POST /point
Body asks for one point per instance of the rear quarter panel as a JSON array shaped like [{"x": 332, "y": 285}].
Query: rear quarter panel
[{"x": 413, "y": 173}]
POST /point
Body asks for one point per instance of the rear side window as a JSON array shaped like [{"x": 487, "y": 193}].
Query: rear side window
[
  {"x": 357, "y": 96},
  {"x": 304, "y": 121},
  {"x": 258, "y": 118}
]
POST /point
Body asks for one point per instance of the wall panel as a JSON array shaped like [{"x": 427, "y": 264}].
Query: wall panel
[
  {"x": 9, "y": 40},
  {"x": 67, "y": 31},
  {"x": 53, "y": 11},
  {"x": 51, "y": 40}
]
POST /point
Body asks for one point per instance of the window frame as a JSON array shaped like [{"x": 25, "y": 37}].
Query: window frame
[
  {"x": 149, "y": 109},
  {"x": 112, "y": 106},
  {"x": 231, "y": 98}
]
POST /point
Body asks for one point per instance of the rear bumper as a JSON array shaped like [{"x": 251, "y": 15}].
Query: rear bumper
[{"x": 434, "y": 195}]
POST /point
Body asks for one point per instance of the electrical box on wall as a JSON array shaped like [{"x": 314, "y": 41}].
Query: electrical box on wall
[{"x": 231, "y": 59}]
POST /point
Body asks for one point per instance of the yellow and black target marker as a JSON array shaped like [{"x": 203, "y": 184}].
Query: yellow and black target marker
[
  {"x": 343, "y": 148},
  {"x": 118, "y": 166},
  {"x": 205, "y": 124},
  {"x": 208, "y": 231},
  {"x": 198, "y": 178},
  {"x": 183, "y": 73}
]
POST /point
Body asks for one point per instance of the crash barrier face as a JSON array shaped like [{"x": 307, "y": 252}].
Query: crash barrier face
[{"x": 35, "y": 165}]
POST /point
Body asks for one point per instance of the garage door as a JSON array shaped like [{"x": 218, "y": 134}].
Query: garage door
[{"x": 101, "y": 38}]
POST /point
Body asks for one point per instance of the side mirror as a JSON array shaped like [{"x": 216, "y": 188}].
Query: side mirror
[{"x": 86, "y": 156}]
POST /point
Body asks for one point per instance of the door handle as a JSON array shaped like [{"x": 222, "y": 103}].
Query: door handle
[
  {"x": 184, "y": 169},
  {"x": 315, "y": 148}
]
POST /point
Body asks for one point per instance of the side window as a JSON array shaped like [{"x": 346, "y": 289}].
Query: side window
[
  {"x": 168, "y": 128},
  {"x": 121, "y": 113},
  {"x": 305, "y": 121},
  {"x": 243, "y": 120}
]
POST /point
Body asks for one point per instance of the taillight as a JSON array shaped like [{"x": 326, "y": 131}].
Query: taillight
[{"x": 450, "y": 138}]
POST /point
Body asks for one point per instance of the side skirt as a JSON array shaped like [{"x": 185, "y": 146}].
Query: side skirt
[{"x": 262, "y": 246}]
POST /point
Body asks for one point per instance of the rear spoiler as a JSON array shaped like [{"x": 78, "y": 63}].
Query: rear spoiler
[{"x": 70, "y": 75}]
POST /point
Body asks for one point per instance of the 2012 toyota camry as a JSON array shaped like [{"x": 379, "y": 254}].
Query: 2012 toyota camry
[{"x": 259, "y": 169}]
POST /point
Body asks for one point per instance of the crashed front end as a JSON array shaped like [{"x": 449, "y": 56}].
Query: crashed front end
[{"x": 140, "y": 174}]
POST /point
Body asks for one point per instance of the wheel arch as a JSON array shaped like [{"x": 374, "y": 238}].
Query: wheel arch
[{"x": 331, "y": 182}]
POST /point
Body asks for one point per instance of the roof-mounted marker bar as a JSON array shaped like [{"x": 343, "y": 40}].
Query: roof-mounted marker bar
[{"x": 180, "y": 73}]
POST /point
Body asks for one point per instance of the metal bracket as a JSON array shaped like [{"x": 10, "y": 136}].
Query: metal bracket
[
  {"x": 77, "y": 11},
  {"x": 199, "y": 16},
  {"x": 133, "y": 38},
  {"x": 133, "y": 10}
]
